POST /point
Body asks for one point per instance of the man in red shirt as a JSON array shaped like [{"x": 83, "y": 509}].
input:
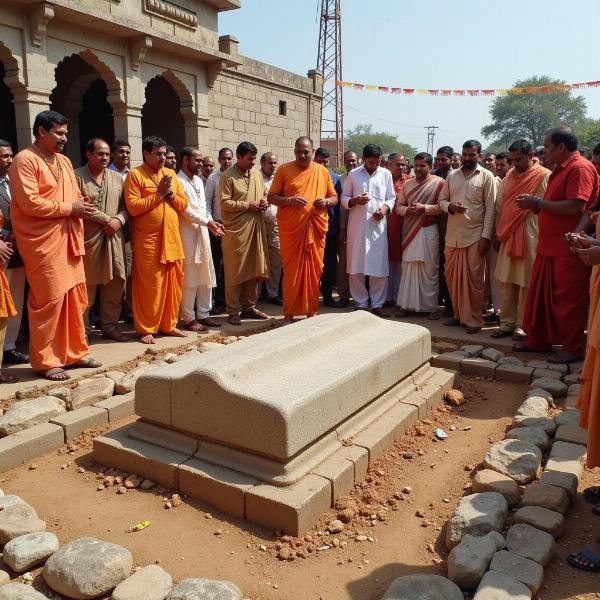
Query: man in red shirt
[{"x": 557, "y": 305}]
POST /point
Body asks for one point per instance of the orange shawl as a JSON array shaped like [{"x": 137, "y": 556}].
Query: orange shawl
[
  {"x": 511, "y": 228},
  {"x": 425, "y": 192}
]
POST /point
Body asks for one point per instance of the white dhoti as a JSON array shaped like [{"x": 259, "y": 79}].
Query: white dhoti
[{"x": 420, "y": 264}]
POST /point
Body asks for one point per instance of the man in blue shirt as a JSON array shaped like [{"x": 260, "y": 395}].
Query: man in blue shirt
[{"x": 330, "y": 258}]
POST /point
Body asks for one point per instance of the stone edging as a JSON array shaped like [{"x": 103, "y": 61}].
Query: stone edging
[{"x": 482, "y": 559}]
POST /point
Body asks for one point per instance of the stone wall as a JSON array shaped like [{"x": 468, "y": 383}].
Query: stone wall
[{"x": 244, "y": 105}]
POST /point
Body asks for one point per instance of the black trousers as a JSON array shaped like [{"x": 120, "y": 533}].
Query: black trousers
[
  {"x": 330, "y": 264},
  {"x": 217, "y": 257}
]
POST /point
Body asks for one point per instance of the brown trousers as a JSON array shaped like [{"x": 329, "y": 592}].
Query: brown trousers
[{"x": 111, "y": 294}]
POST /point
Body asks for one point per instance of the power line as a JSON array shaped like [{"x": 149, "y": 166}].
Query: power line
[{"x": 431, "y": 137}]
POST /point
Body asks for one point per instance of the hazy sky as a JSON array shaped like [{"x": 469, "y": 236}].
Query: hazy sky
[{"x": 437, "y": 45}]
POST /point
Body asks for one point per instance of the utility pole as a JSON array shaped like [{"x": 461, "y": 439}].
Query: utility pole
[
  {"x": 431, "y": 137},
  {"x": 329, "y": 63}
]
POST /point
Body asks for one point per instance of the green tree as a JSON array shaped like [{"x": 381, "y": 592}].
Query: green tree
[
  {"x": 356, "y": 139},
  {"x": 529, "y": 116},
  {"x": 588, "y": 134},
  {"x": 494, "y": 148}
]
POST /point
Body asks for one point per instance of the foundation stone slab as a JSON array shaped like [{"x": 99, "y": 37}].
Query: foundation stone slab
[
  {"x": 528, "y": 572},
  {"x": 77, "y": 421},
  {"x": 546, "y": 496},
  {"x": 29, "y": 443},
  {"x": 118, "y": 407},
  {"x": 449, "y": 360},
  {"x": 292, "y": 509},
  {"x": 476, "y": 514},
  {"x": 529, "y": 542},
  {"x": 283, "y": 417},
  {"x": 423, "y": 587}
]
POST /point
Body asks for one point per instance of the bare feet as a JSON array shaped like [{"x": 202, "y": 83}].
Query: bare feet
[
  {"x": 175, "y": 333},
  {"x": 147, "y": 339},
  {"x": 56, "y": 374}
]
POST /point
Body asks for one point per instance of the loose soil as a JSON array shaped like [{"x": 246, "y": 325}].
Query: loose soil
[{"x": 398, "y": 512}]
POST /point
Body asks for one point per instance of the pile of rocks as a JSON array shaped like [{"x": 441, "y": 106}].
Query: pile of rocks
[
  {"x": 85, "y": 567},
  {"x": 477, "y": 360},
  {"x": 30, "y": 428},
  {"x": 503, "y": 534}
]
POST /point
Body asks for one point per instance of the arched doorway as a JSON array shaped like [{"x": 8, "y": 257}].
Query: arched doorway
[
  {"x": 161, "y": 113},
  {"x": 81, "y": 94},
  {"x": 8, "y": 123}
]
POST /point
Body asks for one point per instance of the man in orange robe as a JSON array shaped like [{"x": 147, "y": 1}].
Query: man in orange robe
[
  {"x": 302, "y": 191},
  {"x": 155, "y": 198},
  {"x": 46, "y": 213}
]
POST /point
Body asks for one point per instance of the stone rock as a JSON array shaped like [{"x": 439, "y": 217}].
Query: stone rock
[
  {"x": 114, "y": 375},
  {"x": 557, "y": 388},
  {"x": 534, "y": 406},
  {"x": 533, "y": 435},
  {"x": 20, "y": 591},
  {"x": 510, "y": 360},
  {"x": 519, "y": 460},
  {"x": 541, "y": 518},
  {"x": 573, "y": 389},
  {"x": 567, "y": 417},
  {"x": 472, "y": 350},
  {"x": 545, "y": 423},
  {"x": 492, "y": 354},
  {"x": 335, "y": 526},
  {"x": 87, "y": 568},
  {"x": 90, "y": 391},
  {"x": 546, "y": 496},
  {"x": 498, "y": 586},
  {"x": 17, "y": 518},
  {"x": 205, "y": 589},
  {"x": 487, "y": 480},
  {"x": 476, "y": 514},
  {"x": 572, "y": 434},
  {"x": 4, "y": 577},
  {"x": 541, "y": 394},
  {"x": 126, "y": 383},
  {"x": 25, "y": 414},
  {"x": 565, "y": 452},
  {"x": 565, "y": 481},
  {"x": 423, "y": 587},
  {"x": 454, "y": 398},
  {"x": 63, "y": 393},
  {"x": 170, "y": 358},
  {"x": 149, "y": 583},
  {"x": 29, "y": 550},
  {"x": 468, "y": 561},
  {"x": 538, "y": 373},
  {"x": 572, "y": 378},
  {"x": 522, "y": 569},
  {"x": 541, "y": 364},
  {"x": 529, "y": 542}
]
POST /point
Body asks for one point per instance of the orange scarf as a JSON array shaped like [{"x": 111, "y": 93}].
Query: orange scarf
[{"x": 511, "y": 228}]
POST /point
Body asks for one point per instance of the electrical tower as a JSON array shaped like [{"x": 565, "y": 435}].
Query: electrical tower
[
  {"x": 329, "y": 63},
  {"x": 431, "y": 137}
]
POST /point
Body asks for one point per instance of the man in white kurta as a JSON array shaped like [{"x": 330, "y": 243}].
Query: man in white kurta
[
  {"x": 194, "y": 225},
  {"x": 369, "y": 196}
]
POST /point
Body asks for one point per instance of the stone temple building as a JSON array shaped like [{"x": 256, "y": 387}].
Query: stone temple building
[{"x": 124, "y": 69}]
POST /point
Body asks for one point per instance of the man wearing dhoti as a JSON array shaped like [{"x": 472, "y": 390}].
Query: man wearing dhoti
[{"x": 418, "y": 204}]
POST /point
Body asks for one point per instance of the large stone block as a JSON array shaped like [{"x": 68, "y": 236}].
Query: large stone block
[
  {"x": 534, "y": 435},
  {"x": 498, "y": 586},
  {"x": 77, "y": 421},
  {"x": 572, "y": 434},
  {"x": 479, "y": 367},
  {"x": 26, "y": 414},
  {"x": 284, "y": 415},
  {"x": 547, "y": 496},
  {"x": 488, "y": 480},
  {"x": 513, "y": 373},
  {"x": 565, "y": 481},
  {"x": 423, "y": 587},
  {"x": 547, "y": 520},
  {"x": 293, "y": 509},
  {"x": 522, "y": 569},
  {"x": 30, "y": 443},
  {"x": 118, "y": 407},
  {"x": 529, "y": 542},
  {"x": 468, "y": 561},
  {"x": 519, "y": 460}
]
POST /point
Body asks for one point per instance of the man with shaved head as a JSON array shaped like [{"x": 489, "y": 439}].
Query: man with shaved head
[{"x": 302, "y": 191}]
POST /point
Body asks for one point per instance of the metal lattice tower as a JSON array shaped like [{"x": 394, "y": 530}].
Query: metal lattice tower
[
  {"x": 329, "y": 63},
  {"x": 431, "y": 137}
]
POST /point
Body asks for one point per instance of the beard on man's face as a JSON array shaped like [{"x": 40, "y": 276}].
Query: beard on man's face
[{"x": 469, "y": 164}]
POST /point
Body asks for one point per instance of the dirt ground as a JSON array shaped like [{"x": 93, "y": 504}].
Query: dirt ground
[{"x": 406, "y": 536}]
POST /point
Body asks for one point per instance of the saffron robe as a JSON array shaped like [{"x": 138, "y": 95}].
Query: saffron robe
[
  {"x": 302, "y": 231},
  {"x": 157, "y": 273},
  {"x": 51, "y": 244}
]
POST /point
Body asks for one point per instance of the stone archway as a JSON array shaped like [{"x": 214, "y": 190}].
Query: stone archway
[
  {"x": 86, "y": 92},
  {"x": 8, "y": 123},
  {"x": 164, "y": 112}
]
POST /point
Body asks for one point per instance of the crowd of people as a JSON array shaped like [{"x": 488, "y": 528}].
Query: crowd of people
[{"x": 180, "y": 239}]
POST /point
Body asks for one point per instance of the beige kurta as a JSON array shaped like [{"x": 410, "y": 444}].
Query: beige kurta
[
  {"x": 245, "y": 241},
  {"x": 510, "y": 270},
  {"x": 104, "y": 256}
]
